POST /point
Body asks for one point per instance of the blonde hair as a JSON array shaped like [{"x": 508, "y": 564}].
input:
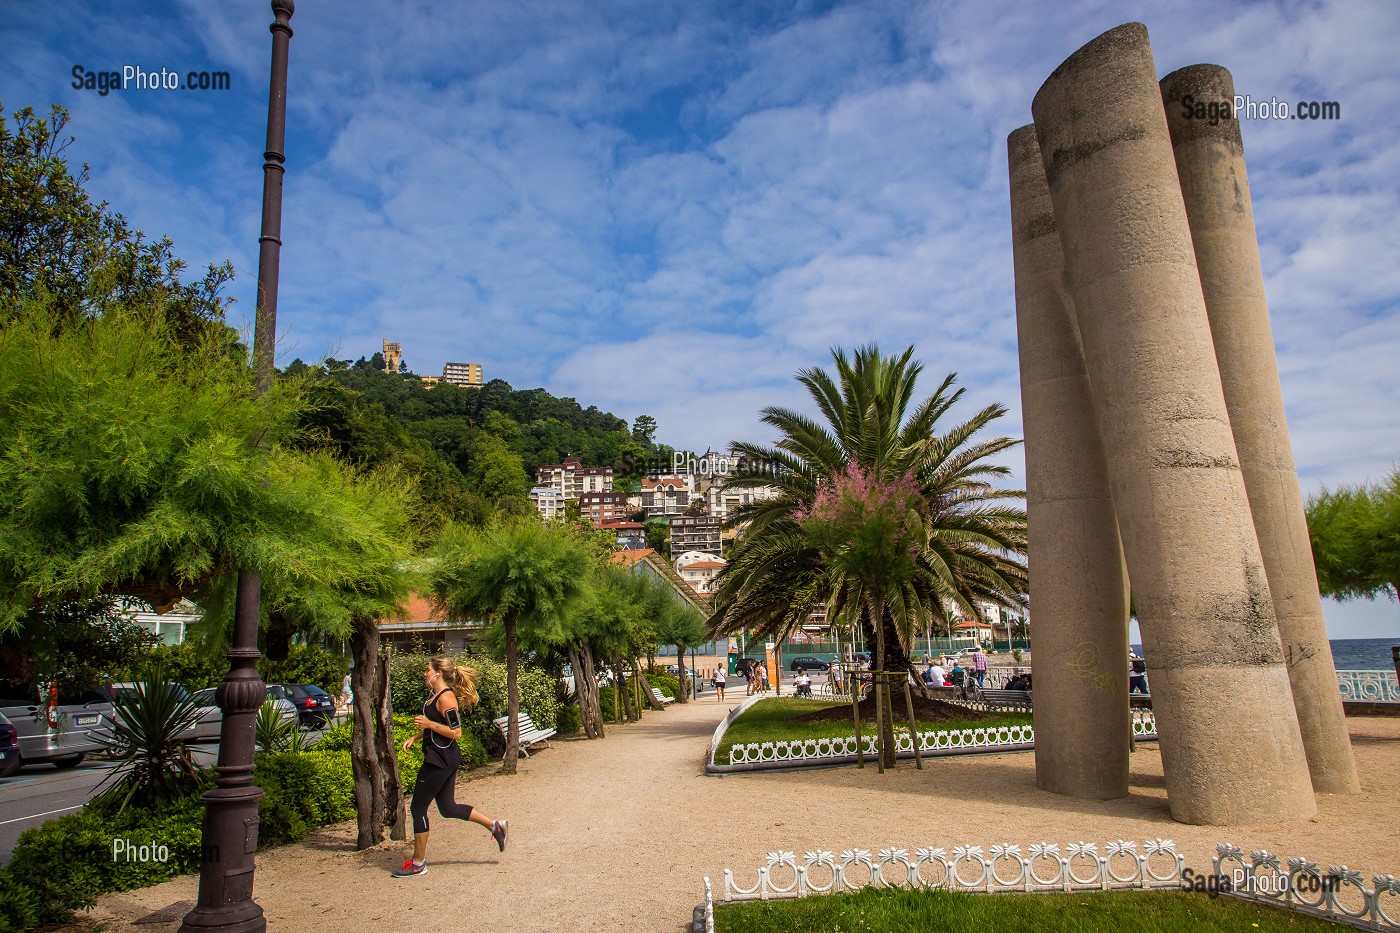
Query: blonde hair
[{"x": 461, "y": 679}]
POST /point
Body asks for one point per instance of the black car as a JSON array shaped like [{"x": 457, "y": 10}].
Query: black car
[
  {"x": 314, "y": 706},
  {"x": 9, "y": 747},
  {"x": 808, "y": 664}
]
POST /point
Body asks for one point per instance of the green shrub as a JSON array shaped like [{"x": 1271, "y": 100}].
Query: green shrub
[
  {"x": 570, "y": 720},
  {"x": 666, "y": 684},
  {"x": 301, "y": 792},
  {"x": 607, "y": 699},
  {"x": 184, "y": 664},
  {"x": 307, "y": 664},
  {"x": 407, "y": 692},
  {"x": 337, "y": 738},
  {"x": 19, "y": 904},
  {"x": 66, "y": 863}
]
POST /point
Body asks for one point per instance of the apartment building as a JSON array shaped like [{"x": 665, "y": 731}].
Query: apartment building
[
  {"x": 669, "y": 495},
  {"x": 548, "y": 501},
  {"x": 462, "y": 374},
  {"x": 699, "y": 569},
  {"x": 573, "y": 479},
  {"x": 695, "y": 533},
  {"x": 631, "y": 536},
  {"x": 599, "y": 507}
]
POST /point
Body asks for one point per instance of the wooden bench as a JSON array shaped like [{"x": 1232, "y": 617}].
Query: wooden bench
[
  {"x": 1012, "y": 699},
  {"x": 530, "y": 734},
  {"x": 661, "y": 698}
]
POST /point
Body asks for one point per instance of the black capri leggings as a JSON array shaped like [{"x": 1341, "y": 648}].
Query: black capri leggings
[{"x": 437, "y": 784}]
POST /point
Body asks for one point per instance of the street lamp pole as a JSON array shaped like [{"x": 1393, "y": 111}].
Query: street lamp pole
[{"x": 231, "y": 809}]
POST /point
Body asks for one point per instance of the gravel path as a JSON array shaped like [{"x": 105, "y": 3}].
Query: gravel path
[{"x": 618, "y": 834}]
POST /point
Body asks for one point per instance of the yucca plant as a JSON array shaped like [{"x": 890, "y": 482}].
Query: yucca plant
[
  {"x": 153, "y": 763},
  {"x": 272, "y": 733}
]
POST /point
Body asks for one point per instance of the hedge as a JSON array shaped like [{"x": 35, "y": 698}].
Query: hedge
[{"x": 64, "y": 864}]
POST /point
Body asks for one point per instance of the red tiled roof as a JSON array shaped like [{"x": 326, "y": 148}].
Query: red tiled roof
[
  {"x": 419, "y": 608},
  {"x": 704, "y": 565},
  {"x": 628, "y": 558}
]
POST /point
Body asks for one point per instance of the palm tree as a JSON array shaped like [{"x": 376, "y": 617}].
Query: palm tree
[
  {"x": 521, "y": 574},
  {"x": 965, "y": 545}
]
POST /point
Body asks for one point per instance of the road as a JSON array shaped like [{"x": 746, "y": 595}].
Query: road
[{"x": 40, "y": 793}]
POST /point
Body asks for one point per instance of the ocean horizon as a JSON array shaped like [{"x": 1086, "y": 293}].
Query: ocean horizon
[{"x": 1354, "y": 654}]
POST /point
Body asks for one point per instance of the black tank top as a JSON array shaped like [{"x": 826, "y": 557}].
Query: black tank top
[{"x": 439, "y": 751}]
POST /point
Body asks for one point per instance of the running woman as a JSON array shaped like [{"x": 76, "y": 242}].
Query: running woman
[{"x": 442, "y": 727}]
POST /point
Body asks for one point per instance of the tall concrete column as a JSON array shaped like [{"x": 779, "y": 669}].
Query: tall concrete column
[
  {"x": 1211, "y": 169},
  {"x": 1230, "y": 743},
  {"x": 1078, "y": 585}
]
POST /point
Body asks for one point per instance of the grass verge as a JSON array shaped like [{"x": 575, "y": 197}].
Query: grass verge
[
  {"x": 901, "y": 911},
  {"x": 781, "y": 721}
]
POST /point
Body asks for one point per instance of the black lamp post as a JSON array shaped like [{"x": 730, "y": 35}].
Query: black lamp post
[{"x": 231, "y": 808}]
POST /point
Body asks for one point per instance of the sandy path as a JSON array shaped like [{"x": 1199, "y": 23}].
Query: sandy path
[{"x": 618, "y": 834}]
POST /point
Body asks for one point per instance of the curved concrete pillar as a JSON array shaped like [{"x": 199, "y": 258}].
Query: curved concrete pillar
[
  {"x": 1230, "y": 743},
  {"x": 1210, "y": 166},
  {"x": 1078, "y": 585}
]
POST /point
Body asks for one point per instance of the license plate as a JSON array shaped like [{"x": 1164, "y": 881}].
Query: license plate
[{"x": 88, "y": 720}]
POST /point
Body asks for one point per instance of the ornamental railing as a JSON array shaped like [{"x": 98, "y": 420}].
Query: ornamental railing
[
  {"x": 1369, "y": 686},
  {"x": 1339, "y": 894},
  {"x": 931, "y": 743},
  {"x": 1044, "y": 866}
]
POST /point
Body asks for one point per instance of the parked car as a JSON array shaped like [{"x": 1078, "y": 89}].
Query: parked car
[
  {"x": 119, "y": 691},
  {"x": 9, "y": 748},
  {"x": 741, "y": 665},
  {"x": 808, "y": 664},
  {"x": 211, "y": 718},
  {"x": 314, "y": 706},
  {"x": 79, "y": 721}
]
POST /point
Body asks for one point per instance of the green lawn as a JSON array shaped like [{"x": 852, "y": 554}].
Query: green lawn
[
  {"x": 905, "y": 911},
  {"x": 775, "y": 721}
]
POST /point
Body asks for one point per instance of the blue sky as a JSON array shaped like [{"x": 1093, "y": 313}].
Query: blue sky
[{"x": 668, "y": 208}]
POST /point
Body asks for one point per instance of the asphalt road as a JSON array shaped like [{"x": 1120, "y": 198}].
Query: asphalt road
[{"x": 40, "y": 793}]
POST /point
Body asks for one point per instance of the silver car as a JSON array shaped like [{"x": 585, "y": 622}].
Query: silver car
[
  {"x": 211, "y": 718},
  {"x": 74, "y": 730}
]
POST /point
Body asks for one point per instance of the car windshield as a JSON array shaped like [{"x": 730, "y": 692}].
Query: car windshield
[{"x": 204, "y": 697}]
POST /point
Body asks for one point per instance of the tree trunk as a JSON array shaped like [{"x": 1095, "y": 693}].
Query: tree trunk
[
  {"x": 884, "y": 715},
  {"x": 512, "y": 700},
  {"x": 586, "y": 687},
  {"x": 624, "y": 694},
  {"x": 647, "y": 696},
  {"x": 369, "y": 779},
  {"x": 387, "y": 750},
  {"x": 277, "y": 637},
  {"x": 684, "y": 690}
]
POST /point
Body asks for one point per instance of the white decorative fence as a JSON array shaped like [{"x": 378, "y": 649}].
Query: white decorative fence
[
  {"x": 1338, "y": 895},
  {"x": 933, "y": 743},
  {"x": 1002, "y": 869},
  {"x": 1369, "y": 686}
]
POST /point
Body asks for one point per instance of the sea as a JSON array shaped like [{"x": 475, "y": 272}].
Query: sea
[{"x": 1353, "y": 654}]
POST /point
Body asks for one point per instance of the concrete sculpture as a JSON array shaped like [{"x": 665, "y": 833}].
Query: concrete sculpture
[
  {"x": 1231, "y": 745},
  {"x": 1080, "y": 591},
  {"x": 1215, "y": 188}
]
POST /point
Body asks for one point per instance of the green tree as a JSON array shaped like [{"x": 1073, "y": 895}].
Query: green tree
[
  {"x": 644, "y": 429},
  {"x": 1355, "y": 534},
  {"x": 970, "y": 546},
  {"x": 521, "y": 574},
  {"x": 81, "y": 256},
  {"x": 682, "y": 625}
]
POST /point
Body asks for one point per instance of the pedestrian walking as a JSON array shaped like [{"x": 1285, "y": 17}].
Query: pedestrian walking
[
  {"x": 979, "y": 663},
  {"x": 719, "y": 684},
  {"x": 441, "y": 722}
]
